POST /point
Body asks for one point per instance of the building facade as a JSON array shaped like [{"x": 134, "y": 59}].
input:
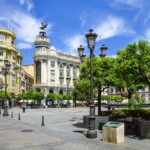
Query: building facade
[
  {"x": 29, "y": 69},
  {"x": 55, "y": 72},
  {"x": 9, "y": 52},
  {"x": 27, "y": 82},
  {"x": 145, "y": 93}
]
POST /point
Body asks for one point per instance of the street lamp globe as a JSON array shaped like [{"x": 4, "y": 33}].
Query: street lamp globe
[
  {"x": 91, "y": 38},
  {"x": 83, "y": 58},
  {"x": 103, "y": 50},
  {"x": 81, "y": 51}
]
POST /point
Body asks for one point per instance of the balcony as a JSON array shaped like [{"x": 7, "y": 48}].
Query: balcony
[
  {"x": 61, "y": 76},
  {"x": 68, "y": 77}
]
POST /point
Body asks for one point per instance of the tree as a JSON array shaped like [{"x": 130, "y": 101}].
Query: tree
[
  {"x": 38, "y": 96},
  {"x": 132, "y": 67},
  {"x": 2, "y": 95},
  {"x": 25, "y": 96},
  {"x": 51, "y": 96},
  {"x": 67, "y": 97},
  {"x": 103, "y": 75},
  {"x": 112, "y": 98},
  {"x": 81, "y": 91}
]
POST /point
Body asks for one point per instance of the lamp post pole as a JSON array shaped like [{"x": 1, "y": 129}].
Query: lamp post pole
[
  {"x": 6, "y": 71},
  {"x": 91, "y": 38}
]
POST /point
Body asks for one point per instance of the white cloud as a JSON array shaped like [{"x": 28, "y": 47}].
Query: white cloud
[
  {"x": 112, "y": 26},
  {"x": 146, "y": 35},
  {"x": 25, "y": 26},
  {"x": 83, "y": 19},
  {"x": 27, "y": 3},
  {"x": 131, "y": 3},
  {"x": 24, "y": 46},
  {"x": 74, "y": 42}
]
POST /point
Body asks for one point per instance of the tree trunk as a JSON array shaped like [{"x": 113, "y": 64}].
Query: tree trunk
[
  {"x": 129, "y": 97},
  {"x": 99, "y": 100}
]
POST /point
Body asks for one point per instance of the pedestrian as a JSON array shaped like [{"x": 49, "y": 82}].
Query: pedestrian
[{"x": 23, "y": 107}]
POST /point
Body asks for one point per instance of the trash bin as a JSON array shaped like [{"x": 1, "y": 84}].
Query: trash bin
[{"x": 113, "y": 132}]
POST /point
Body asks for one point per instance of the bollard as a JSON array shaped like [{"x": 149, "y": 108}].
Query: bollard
[
  {"x": 0, "y": 111},
  {"x": 19, "y": 116},
  {"x": 42, "y": 121},
  {"x": 11, "y": 114}
]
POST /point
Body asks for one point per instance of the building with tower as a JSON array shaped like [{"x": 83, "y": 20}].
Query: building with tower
[{"x": 55, "y": 72}]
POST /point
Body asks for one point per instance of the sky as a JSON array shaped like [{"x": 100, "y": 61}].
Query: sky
[{"x": 117, "y": 23}]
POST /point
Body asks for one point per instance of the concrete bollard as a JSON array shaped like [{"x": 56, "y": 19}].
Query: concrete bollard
[
  {"x": 19, "y": 118},
  {"x": 42, "y": 124},
  {"x": 11, "y": 114}
]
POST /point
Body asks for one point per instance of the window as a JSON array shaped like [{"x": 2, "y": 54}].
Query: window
[
  {"x": 61, "y": 74},
  {"x": 68, "y": 71},
  {"x": 2, "y": 37},
  {"x": 52, "y": 80},
  {"x": 52, "y": 63},
  {"x": 1, "y": 53},
  {"x": 52, "y": 73},
  {"x": 74, "y": 72}
]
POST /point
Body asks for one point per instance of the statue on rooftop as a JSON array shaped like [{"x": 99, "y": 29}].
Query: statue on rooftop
[
  {"x": 43, "y": 26},
  {"x": 42, "y": 32}
]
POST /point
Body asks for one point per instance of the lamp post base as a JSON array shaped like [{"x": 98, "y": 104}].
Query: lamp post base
[
  {"x": 91, "y": 134},
  {"x": 5, "y": 113}
]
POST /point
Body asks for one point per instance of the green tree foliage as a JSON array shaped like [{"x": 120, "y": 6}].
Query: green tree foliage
[
  {"x": 102, "y": 73},
  {"x": 38, "y": 95},
  {"x": 81, "y": 90},
  {"x": 136, "y": 101},
  {"x": 132, "y": 67},
  {"x": 2, "y": 95},
  {"x": 51, "y": 96},
  {"x": 110, "y": 98},
  {"x": 67, "y": 97},
  {"x": 25, "y": 96}
]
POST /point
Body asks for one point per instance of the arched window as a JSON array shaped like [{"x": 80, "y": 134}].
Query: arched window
[
  {"x": 38, "y": 90},
  {"x": 38, "y": 72},
  {"x": 61, "y": 91},
  {"x": 51, "y": 90}
]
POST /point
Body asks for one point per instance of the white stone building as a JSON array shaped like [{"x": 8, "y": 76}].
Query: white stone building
[{"x": 55, "y": 72}]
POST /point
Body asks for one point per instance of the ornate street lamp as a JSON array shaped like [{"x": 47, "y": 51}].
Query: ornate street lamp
[
  {"x": 103, "y": 50},
  {"x": 5, "y": 71},
  {"x": 81, "y": 53},
  {"x": 91, "y": 38},
  {"x": 91, "y": 41}
]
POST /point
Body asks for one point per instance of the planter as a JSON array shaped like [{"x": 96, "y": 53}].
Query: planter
[{"x": 144, "y": 128}]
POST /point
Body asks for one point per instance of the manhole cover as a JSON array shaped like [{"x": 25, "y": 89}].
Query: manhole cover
[{"x": 27, "y": 130}]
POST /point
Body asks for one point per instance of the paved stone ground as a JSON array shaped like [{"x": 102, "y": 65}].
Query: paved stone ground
[{"x": 62, "y": 131}]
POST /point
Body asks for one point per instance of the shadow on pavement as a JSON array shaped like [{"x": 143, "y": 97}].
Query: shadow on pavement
[
  {"x": 78, "y": 125},
  {"x": 81, "y": 132}
]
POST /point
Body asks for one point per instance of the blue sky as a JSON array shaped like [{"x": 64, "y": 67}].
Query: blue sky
[{"x": 117, "y": 23}]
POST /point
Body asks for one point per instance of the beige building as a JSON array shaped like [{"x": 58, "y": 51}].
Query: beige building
[
  {"x": 29, "y": 69},
  {"x": 9, "y": 52},
  {"x": 26, "y": 81}
]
